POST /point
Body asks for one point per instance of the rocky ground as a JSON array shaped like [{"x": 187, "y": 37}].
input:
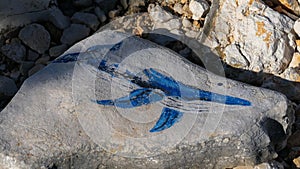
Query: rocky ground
[{"x": 24, "y": 50}]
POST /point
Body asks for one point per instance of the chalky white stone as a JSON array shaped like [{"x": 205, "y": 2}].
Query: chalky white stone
[
  {"x": 250, "y": 35},
  {"x": 198, "y": 8}
]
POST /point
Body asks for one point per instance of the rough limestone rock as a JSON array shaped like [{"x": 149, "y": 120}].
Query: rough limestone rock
[
  {"x": 250, "y": 35},
  {"x": 198, "y": 8},
  {"x": 116, "y": 100},
  {"x": 158, "y": 14}
]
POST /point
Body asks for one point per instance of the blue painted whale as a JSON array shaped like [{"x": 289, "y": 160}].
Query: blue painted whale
[{"x": 153, "y": 89}]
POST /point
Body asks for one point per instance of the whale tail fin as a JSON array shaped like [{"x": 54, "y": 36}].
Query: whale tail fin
[{"x": 167, "y": 119}]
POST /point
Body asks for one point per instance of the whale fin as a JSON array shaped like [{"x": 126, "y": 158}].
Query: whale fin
[
  {"x": 105, "y": 102},
  {"x": 167, "y": 119}
]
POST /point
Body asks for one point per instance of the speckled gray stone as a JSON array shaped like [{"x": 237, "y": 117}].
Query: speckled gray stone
[
  {"x": 198, "y": 8},
  {"x": 56, "y": 120},
  {"x": 74, "y": 33},
  {"x": 36, "y": 37}
]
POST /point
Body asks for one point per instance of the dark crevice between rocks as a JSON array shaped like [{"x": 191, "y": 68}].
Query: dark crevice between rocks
[
  {"x": 53, "y": 167},
  {"x": 54, "y": 32},
  {"x": 275, "y": 132}
]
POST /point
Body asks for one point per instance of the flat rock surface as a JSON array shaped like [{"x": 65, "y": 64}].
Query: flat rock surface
[{"x": 142, "y": 107}]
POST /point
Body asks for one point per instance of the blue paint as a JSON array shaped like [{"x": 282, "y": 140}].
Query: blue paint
[
  {"x": 108, "y": 69},
  {"x": 143, "y": 96},
  {"x": 154, "y": 89},
  {"x": 136, "y": 98},
  {"x": 116, "y": 46},
  {"x": 167, "y": 119},
  {"x": 159, "y": 81},
  {"x": 105, "y": 102},
  {"x": 170, "y": 87},
  {"x": 185, "y": 92},
  {"x": 71, "y": 57}
]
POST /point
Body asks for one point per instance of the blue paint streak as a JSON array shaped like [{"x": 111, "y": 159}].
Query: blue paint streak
[
  {"x": 177, "y": 89},
  {"x": 116, "y": 46},
  {"x": 105, "y": 102},
  {"x": 167, "y": 119},
  {"x": 136, "y": 98},
  {"x": 108, "y": 69},
  {"x": 71, "y": 57},
  {"x": 170, "y": 87},
  {"x": 159, "y": 81}
]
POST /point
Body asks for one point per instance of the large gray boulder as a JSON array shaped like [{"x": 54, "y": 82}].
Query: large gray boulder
[{"x": 116, "y": 100}]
